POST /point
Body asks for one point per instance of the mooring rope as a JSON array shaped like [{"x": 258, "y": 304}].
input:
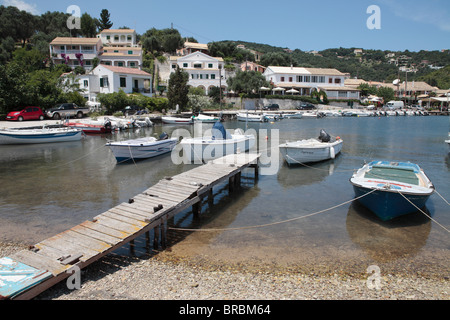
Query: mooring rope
[
  {"x": 428, "y": 216},
  {"x": 273, "y": 223}
]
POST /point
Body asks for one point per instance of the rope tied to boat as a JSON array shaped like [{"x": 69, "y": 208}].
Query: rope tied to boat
[
  {"x": 427, "y": 215},
  {"x": 273, "y": 223}
]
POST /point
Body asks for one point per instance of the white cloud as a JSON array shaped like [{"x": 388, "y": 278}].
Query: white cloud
[
  {"x": 22, "y": 5},
  {"x": 434, "y": 12}
]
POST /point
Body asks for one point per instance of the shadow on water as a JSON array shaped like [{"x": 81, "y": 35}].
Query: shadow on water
[{"x": 386, "y": 241}]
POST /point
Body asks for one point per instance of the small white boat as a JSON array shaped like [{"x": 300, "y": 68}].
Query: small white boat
[
  {"x": 205, "y": 118},
  {"x": 176, "y": 120},
  {"x": 297, "y": 115},
  {"x": 219, "y": 144},
  {"x": 311, "y": 150},
  {"x": 390, "y": 183},
  {"x": 251, "y": 117},
  {"x": 44, "y": 135},
  {"x": 90, "y": 125},
  {"x": 142, "y": 148},
  {"x": 310, "y": 115}
]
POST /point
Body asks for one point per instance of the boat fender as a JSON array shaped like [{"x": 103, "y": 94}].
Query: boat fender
[
  {"x": 130, "y": 201},
  {"x": 332, "y": 153}
]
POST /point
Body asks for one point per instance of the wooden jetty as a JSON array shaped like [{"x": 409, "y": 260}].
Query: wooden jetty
[{"x": 53, "y": 260}]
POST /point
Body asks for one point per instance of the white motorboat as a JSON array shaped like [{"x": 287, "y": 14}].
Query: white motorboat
[
  {"x": 141, "y": 148},
  {"x": 297, "y": 115},
  {"x": 44, "y": 135},
  {"x": 310, "y": 115},
  {"x": 219, "y": 144},
  {"x": 90, "y": 125},
  {"x": 176, "y": 120},
  {"x": 251, "y": 117},
  {"x": 311, "y": 150},
  {"x": 396, "y": 188},
  {"x": 205, "y": 118}
]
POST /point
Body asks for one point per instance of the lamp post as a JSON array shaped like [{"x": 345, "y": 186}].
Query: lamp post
[{"x": 220, "y": 86}]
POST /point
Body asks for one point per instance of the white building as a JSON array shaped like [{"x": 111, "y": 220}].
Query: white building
[
  {"x": 130, "y": 57},
  {"x": 305, "y": 80},
  {"x": 109, "y": 79},
  {"x": 118, "y": 37},
  {"x": 204, "y": 71},
  {"x": 75, "y": 51}
]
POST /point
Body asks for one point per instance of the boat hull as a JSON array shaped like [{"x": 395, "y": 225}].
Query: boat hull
[
  {"x": 294, "y": 154},
  {"x": 251, "y": 117},
  {"x": 90, "y": 128},
  {"x": 39, "y": 136},
  {"x": 388, "y": 205},
  {"x": 128, "y": 151},
  {"x": 174, "y": 120},
  {"x": 199, "y": 149}
]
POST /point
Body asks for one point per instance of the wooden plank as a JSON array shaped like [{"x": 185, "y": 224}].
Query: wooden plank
[
  {"x": 96, "y": 235},
  {"x": 144, "y": 201},
  {"x": 83, "y": 241},
  {"x": 172, "y": 188},
  {"x": 113, "y": 223},
  {"x": 162, "y": 195},
  {"x": 164, "y": 202},
  {"x": 105, "y": 229},
  {"x": 39, "y": 262},
  {"x": 126, "y": 213},
  {"x": 124, "y": 219},
  {"x": 134, "y": 209}
]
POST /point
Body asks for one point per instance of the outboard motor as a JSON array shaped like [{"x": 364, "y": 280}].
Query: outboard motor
[
  {"x": 324, "y": 137},
  {"x": 163, "y": 136}
]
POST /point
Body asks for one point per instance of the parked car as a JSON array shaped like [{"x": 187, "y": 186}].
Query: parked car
[
  {"x": 130, "y": 110},
  {"x": 28, "y": 113},
  {"x": 306, "y": 106},
  {"x": 65, "y": 110},
  {"x": 272, "y": 107}
]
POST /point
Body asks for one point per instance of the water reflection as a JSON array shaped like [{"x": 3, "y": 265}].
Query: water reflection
[
  {"x": 312, "y": 173},
  {"x": 387, "y": 240}
]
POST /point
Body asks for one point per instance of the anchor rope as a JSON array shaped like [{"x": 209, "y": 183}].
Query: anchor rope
[{"x": 273, "y": 223}]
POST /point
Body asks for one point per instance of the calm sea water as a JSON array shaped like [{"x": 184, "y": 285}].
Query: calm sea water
[{"x": 46, "y": 189}]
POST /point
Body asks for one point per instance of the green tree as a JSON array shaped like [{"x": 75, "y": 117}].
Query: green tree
[
  {"x": 88, "y": 26},
  {"x": 386, "y": 93},
  {"x": 247, "y": 82},
  {"x": 178, "y": 89},
  {"x": 104, "y": 22}
]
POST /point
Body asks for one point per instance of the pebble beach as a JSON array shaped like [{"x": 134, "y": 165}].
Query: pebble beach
[{"x": 160, "y": 277}]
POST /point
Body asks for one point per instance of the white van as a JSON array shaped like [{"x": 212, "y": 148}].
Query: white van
[{"x": 395, "y": 105}]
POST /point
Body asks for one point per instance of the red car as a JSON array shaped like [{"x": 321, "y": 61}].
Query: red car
[{"x": 29, "y": 113}]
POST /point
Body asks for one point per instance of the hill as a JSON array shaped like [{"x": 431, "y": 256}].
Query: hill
[{"x": 374, "y": 65}]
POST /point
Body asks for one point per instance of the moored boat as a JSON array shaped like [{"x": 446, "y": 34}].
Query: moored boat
[
  {"x": 44, "y": 135},
  {"x": 311, "y": 150},
  {"x": 205, "y": 118},
  {"x": 398, "y": 188},
  {"x": 251, "y": 117},
  {"x": 142, "y": 148},
  {"x": 219, "y": 144},
  {"x": 90, "y": 125},
  {"x": 176, "y": 120}
]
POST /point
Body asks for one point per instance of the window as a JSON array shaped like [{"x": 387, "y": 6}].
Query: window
[
  {"x": 108, "y": 37},
  {"x": 63, "y": 48},
  {"x": 337, "y": 80},
  {"x": 342, "y": 94},
  {"x": 282, "y": 79},
  {"x": 197, "y": 65},
  {"x": 104, "y": 82},
  {"x": 123, "y": 82},
  {"x": 105, "y": 51},
  {"x": 185, "y": 65},
  {"x": 129, "y": 38},
  {"x": 86, "y": 83},
  {"x": 307, "y": 79},
  {"x": 314, "y": 79},
  {"x": 116, "y": 51},
  {"x": 290, "y": 79},
  {"x": 330, "y": 80},
  {"x": 206, "y": 76},
  {"x": 174, "y": 66},
  {"x": 120, "y": 64},
  {"x": 213, "y": 76},
  {"x": 322, "y": 79},
  {"x": 116, "y": 38},
  {"x": 299, "y": 78},
  {"x": 210, "y": 65},
  {"x": 130, "y": 52},
  {"x": 87, "y": 62},
  {"x": 132, "y": 64}
]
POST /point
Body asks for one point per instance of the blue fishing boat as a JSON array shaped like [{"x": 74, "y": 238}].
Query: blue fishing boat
[{"x": 397, "y": 188}]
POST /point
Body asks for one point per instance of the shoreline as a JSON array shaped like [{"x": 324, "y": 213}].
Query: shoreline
[{"x": 161, "y": 276}]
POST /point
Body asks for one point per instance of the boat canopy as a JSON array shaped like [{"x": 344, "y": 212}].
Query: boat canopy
[{"x": 219, "y": 132}]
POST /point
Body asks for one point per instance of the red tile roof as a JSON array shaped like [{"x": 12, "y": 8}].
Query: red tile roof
[{"x": 126, "y": 70}]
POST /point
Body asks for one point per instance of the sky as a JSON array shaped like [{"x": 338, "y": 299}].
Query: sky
[{"x": 395, "y": 25}]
